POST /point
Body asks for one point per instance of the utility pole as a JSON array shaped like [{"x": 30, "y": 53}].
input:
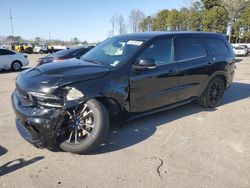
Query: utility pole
[
  {"x": 229, "y": 31},
  {"x": 11, "y": 24}
]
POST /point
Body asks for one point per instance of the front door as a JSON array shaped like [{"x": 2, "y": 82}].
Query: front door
[{"x": 154, "y": 87}]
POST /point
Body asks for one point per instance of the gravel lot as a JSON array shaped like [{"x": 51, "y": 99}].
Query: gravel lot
[{"x": 188, "y": 146}]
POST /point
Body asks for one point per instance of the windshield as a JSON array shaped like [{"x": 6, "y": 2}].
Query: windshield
[{"x": 113, "y": 51}]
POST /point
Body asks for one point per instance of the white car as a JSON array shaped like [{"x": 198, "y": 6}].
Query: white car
[
  {"x": 40, "y": 49},
  {"x": 10, "y": 60},
  {"x": 240, "y": 51},
  {"x": 3, "y": 47}
]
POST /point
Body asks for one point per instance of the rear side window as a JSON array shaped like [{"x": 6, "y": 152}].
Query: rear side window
[
  {"x": 188, "y": 48},
  {"x": 82, "y": 52},
  {"x": 62, "y": 53},
  {"x": 216, "y": 46}
]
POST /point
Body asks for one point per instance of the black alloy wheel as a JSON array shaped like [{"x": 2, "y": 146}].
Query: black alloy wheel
[
  {"x": 213, "y": 94},
  {"x": 89, "y": 128}
]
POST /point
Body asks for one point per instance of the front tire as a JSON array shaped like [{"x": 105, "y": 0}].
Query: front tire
[
  {"x": 92, "y": 130},
  {"x": 213, "y": 94}
]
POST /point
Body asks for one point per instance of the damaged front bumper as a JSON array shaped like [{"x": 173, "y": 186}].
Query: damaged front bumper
[{"x": 38, "y": 125}]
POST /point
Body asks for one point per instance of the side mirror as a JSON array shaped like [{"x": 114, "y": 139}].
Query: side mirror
[{"x": 145, "y": 63}]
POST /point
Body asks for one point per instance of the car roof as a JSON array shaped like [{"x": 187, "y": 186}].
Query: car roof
[
  {"x": 154, "y": 34},
  {"x": 77, "y": 47}
]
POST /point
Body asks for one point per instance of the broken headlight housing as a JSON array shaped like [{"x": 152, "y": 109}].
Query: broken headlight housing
[
  {"x": 47, "y": 99},
  {"x": 57, "y": 99},
  {"x": 74, "y": 94}
]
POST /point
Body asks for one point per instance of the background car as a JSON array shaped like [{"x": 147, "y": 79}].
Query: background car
[
  {"x": 12, "y": 60},
  {"x": 240, "y": 51},
  {"x": 40, "y": 48},
  {"x": 248, "y": 49},
  {"x": 22, "y": 47},
  {"x": 3, "y": 46},
  {"x": 75, "y": 52}
]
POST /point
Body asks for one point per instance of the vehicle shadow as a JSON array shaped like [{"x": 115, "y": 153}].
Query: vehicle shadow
[
  {"x": 238, "y": 60},
  {"x": 139, "y": 130},
  {"x": 10, "y": 71},
  {"x": 17, "y": 164},
  {"x": 3, "y": 150}
]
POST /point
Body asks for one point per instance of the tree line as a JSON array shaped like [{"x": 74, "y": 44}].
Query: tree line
[
  {"x": 37, "y": 40},
  {"x": 119, "y": 25},
  {"x": 200, "y": 15}
]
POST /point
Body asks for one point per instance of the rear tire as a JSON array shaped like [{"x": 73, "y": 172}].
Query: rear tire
[
  {"x": 213, "y": 94},
  {"x": 16, "y": 66},
  {"x": 98, "y": 132}
]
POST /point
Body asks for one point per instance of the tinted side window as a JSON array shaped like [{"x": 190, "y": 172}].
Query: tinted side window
[
  {"x": 216, "y": 46},
  {"x": 6, "y": 52},
  {"x": 62, "y": 53},
  {"x": 82, "y": 52},
  {"x": 160, "y": 51},
  {"x": 188, "y": 48}
]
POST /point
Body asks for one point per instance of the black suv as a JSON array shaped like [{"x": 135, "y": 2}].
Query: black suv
[{"x": 124, "y": 77}]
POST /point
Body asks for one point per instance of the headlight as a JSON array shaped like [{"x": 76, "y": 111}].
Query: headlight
[
  {"x": 58, "y": 98},
  {"x": 47, "y": 100},
  {"x": 74, "y": 94}
]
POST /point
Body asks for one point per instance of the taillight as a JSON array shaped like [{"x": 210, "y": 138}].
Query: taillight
[
  {"x": 39, "y": 63},
  {"x": 58, "y": 59}
]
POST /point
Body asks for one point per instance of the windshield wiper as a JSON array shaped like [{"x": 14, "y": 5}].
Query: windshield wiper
[{"x": 92, "y": 61}]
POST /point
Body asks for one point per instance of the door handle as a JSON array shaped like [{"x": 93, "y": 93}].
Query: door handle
[{"x": 172, "y": 72}]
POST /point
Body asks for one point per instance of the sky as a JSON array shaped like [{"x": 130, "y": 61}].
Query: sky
[{"x": 66, "y": 19}]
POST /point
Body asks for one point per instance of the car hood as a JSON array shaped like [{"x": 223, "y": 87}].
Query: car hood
[{"x": 60, "y": 74}]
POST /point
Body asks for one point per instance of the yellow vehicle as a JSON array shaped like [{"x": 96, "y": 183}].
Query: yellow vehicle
[
  {"x": 51, "y": 49},
  {"x": 16, "y": 47},
  {"x": 27, "y": 48},
  {"x": 22, "y": 47}
]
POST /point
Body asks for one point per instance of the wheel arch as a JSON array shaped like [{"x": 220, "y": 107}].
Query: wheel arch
[
  {"x": 221, "y": 74},
  {"x": 112, "y": 105}
]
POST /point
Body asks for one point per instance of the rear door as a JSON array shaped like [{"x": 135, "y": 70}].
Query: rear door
[
  {"x": 222, "y": 57},
  {"x": 191, "y": 58},
  {"x": 6, "y": 58},
  {"x": 2, "y": 59}
]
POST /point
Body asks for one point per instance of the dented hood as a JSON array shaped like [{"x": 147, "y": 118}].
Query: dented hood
[{"x": 60, "y": 74}]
